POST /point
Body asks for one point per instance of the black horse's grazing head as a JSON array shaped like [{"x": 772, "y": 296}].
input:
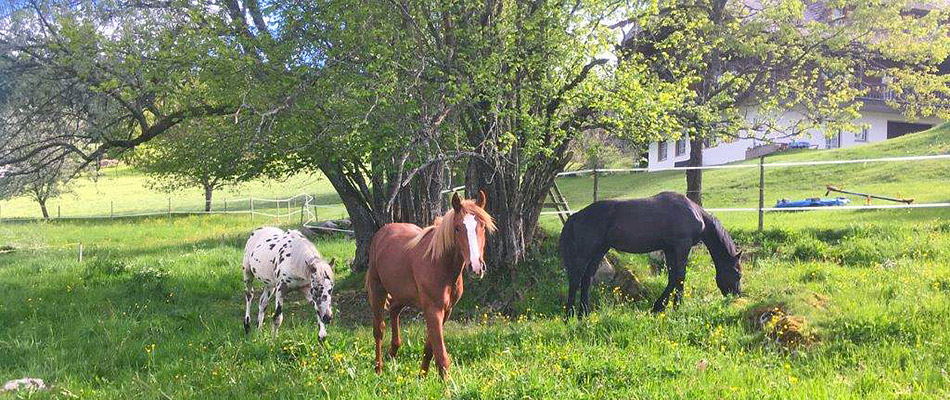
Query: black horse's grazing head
[{"x": 729, "y": 273}]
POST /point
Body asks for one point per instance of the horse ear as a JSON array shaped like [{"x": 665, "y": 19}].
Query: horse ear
[
  {"x": 481, "y": 199},
  {"x": 456, "y": 202}
]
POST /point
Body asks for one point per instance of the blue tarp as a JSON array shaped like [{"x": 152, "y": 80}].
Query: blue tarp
[{"x": 812, "y": 202}]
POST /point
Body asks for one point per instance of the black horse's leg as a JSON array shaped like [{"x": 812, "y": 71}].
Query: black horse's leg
[
  {"x": 585, "y": 295},
  {"x": 573, "y": 283},
  {"x": 677, "y": 273},
  {"x": 587, "y": 281},
  {"x": 678, "y": 291}
]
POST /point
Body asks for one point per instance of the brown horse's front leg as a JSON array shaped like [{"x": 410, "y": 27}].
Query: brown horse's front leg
[
  {"x": 378, "y": 326},
  {"x": 376, "y": 303},
  {"x": 434, "y": 321},
  {"x": 396, "y": 338},
  {"x": 427, "y": 356}
]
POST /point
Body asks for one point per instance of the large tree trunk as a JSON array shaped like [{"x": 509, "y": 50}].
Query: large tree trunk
[
  {"x": 418, "y": 203},
  {"x": 43, "y": 208},
  {"x": 421, "y": 202},
  {"x": 694, "y": 177},
  {"x": 514, "y": 199},
  {"x": 209, "y": 191},
  {"x": 503, "y": 201}
]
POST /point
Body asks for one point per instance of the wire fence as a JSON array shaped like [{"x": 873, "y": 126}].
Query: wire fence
[
  {"x": 736, "y": 190},
  {"x": 582, "y": 187},
  {"x": 302, "y": 206}
]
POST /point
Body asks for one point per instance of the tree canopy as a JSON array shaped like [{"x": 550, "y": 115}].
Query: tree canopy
[{"x": 738, "y": 66}]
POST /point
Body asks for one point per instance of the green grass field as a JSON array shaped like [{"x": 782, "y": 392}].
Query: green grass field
[
  {"x": 155, "y": 308},
  {"x": 124, "y": 191}
]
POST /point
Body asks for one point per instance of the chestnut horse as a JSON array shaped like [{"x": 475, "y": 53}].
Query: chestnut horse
[{"x": 411, "y": 266}]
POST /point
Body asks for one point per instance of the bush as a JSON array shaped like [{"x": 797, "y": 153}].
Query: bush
[
  {"x": 105, "y": 265},
  {"x": 808, "y": 248},
  {"x": 865, "y": 252}
]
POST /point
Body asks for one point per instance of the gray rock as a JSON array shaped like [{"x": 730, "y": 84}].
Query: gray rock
[{"x": 24, "y": 384}]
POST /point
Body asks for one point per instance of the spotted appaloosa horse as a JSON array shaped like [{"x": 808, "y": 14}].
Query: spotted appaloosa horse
[
  {"x": 411, "y": 266},
  {"x": 286, "y": 261}
]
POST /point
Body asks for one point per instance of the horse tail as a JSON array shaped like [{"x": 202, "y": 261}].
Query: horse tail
[{"x": 566, "y": 248}]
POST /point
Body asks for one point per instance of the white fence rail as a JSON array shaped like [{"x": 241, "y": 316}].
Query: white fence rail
[
  {"x": 303, "y": 207},
  {"x": 762, "y": 166}
]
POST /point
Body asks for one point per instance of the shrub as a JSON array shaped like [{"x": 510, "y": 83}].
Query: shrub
[
  {"x": 808, "y": 248},
  {"x": 105, "y": 265}
]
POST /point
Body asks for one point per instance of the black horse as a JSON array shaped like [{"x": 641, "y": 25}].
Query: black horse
[{"x": 668, "y": 221}]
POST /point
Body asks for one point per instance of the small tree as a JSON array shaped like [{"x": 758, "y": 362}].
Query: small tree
[
  {"x": 209, "y": 154},
  {"x": 41, "y": 183}
]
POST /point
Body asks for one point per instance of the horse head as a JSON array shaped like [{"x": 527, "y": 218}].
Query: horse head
[
  {"x": 729, "y": 273},
  {"x": 321, "y": 291},
  {"x": 469, "y": 223}
]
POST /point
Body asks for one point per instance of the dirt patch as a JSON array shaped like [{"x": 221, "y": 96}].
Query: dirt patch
[
  {"x": 787, "y": 330},
  {"x": 817, "y": 300}
]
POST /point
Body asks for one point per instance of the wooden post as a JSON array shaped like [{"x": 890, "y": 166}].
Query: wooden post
[
  {"x": 250, "y": 202},
  {"x": 761, "y": 193},
  {"x": 595, "y": 184},
  {"x": 225, "y": 206},
  {"x": 59, "y": 211},
  {"x": 80, "y": 251}
]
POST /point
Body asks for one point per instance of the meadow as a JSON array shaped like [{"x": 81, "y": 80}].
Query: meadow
[{"x": 154, "y": 310}]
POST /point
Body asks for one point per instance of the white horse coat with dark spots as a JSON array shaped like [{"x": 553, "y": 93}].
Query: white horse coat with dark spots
[{"x": 286, "y": 261}]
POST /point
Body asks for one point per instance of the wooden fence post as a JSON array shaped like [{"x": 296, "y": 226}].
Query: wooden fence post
[
  {"x": 225, "y": 206},
  {"x": 59, "y": 212},
  {"x": 595, "y": 184},
  {"x": 169, "y": 207},
  {"x": 761, "y": 193},
  {"x": 80, "y": 251},
  {"x": 250, "y": 201}
]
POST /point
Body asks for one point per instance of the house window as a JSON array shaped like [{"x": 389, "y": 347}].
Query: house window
[
  {"x": 833, "y": 142},
  {"x": 861, "y": 136},
  {"x": 661, "y": 151},
  {"x": 680, "y": 146}
]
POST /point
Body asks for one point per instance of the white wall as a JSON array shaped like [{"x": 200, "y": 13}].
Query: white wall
[{"x": 735, "y": 150}]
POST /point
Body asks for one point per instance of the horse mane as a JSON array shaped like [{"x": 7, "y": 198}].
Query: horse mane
[
  {"x": 717, "y": 239},
  {"x": 443, "y": 236},
  {"x": 304, "y": 251}
]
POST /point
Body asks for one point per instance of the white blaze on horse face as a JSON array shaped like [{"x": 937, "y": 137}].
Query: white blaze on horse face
[
  {"x": 326, "y": 311},
  {"x": 473, "y": 253}
]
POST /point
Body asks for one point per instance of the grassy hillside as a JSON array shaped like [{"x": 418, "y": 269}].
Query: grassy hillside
[
  {"x": 128, "y": 192},
  {"x": 926, "y": 181}
]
